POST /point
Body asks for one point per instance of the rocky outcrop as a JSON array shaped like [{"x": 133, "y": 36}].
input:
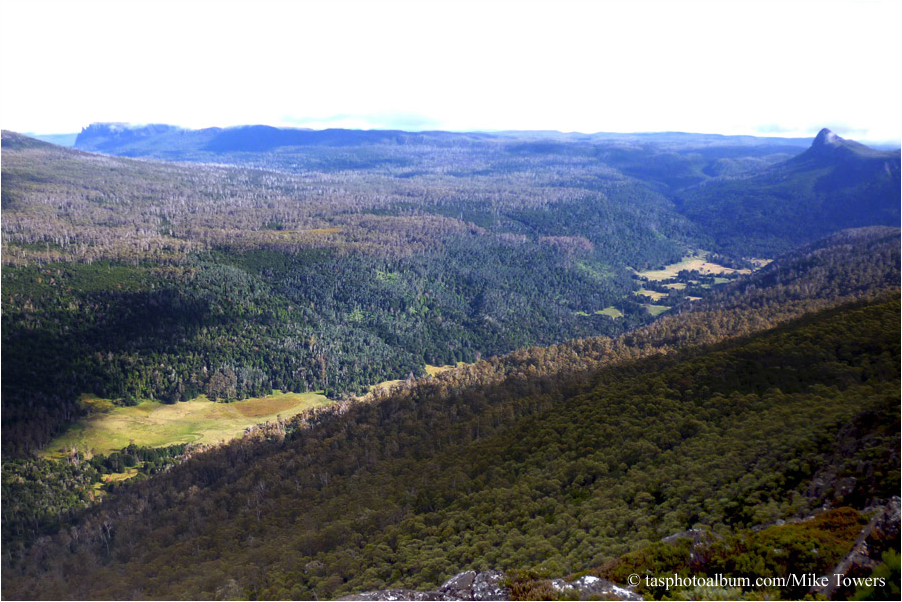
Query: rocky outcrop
[
  {"x": 487, "y": 585},
  {"x": 593, "y": 588},
  {"x": 881, "y": 533},
  {"x": 468, "y": 585}
]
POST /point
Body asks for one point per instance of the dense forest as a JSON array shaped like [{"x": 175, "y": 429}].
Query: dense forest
[
  {"x": 558, "y": 474},
  {"x": 551, "y": 459},
  {"x": 596, "y": 410}
]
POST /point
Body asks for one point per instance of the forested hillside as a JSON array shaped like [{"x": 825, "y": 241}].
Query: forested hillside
[
  {"x": 544, "y": 460},
  {"x": 554, "y": 474},
  {"x": 746, "y": 196}
]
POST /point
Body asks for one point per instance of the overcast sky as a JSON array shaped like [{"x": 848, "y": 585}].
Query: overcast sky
[{"x": 731, "y": 67}]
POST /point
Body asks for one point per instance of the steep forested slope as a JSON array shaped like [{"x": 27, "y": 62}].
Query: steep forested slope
[{"x": 554, "y": 472}]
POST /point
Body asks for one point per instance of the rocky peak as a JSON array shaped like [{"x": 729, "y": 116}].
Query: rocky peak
[
  {"x": 828, "y": 148},
  {"x": 827, "y": 138},
  {"x": 106, "y": 136}
]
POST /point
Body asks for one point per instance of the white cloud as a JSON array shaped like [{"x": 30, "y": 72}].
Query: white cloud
[{"x": 728, "y": 67}]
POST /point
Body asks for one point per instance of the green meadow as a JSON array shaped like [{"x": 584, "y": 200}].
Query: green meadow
[
  {"x": 109, "y": 428},
  {"x": 655, "y": 310},
  {"x": 610, "y": 311},
  {"x": 653, "y": 295},
  {"x": 690, "y": 263}
]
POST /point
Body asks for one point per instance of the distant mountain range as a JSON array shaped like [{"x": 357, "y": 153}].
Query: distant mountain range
[
  {"x": 747, "y": 195},
  {"x": 161, "y": 140}
]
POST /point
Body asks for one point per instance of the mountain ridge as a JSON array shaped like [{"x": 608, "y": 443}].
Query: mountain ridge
[
  {"x": 827, "y": 145},
  {"x": 115, "y": 137},
  {"x": 833, "y": 185}
]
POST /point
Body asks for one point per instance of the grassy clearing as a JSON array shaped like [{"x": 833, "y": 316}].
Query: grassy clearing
[
  {"x": 610, "y": 311},
  {"x": 155, "y": 424},
  {"x": 430, "y": 370},
  {"x": 677, "y": 286},
  {"x": 385, "y": 385},
  {"x": 94, "y": 404},
  {"x": 653, "y": 295},
  {"x": 655, "y": 310},
  {"x": 598, "y": 273},
  {"x": 120, "y": 476},
  {"x": 690, "y": 263},
  {"x": 433, "y": 370}
]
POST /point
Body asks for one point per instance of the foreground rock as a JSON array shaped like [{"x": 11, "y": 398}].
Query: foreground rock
[
  {"x": 487, "y": 585},
  {"x": 880, "y": 534},
  {"x": 593, "y": 588}
]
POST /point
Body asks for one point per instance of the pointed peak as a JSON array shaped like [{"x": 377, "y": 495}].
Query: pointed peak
[
  {"x": 827, "y": 138},
  {"x": 827, "y": 146}
]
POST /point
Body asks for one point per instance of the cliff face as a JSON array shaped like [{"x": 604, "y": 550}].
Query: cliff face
[{"x": 109, "y": 137}]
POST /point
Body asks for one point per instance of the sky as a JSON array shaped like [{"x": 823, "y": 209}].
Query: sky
[{"x": 784, "y": 68}]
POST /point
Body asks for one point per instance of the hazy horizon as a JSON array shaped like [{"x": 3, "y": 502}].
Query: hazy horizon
[{"x": 57, "y": 137}]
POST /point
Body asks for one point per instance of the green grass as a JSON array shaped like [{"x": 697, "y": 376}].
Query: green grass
[
  {"x": 155, "y": 424},
  {"x": 653, "y": 295},
  {"x": 690, "y": 262},
  {"x": 655, "y": 310},
  {"x": 433, "y": 370},
  {"x": 109, "y": 428},
  {"x": 610, "y": 311}
]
